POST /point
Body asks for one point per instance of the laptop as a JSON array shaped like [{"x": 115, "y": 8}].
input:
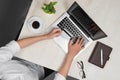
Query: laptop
[
  {"x": 12, "y": 17},
  {"x": 76, "y": 23}
]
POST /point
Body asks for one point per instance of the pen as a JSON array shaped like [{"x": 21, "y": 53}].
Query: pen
[{"x": 101, "y": 57}]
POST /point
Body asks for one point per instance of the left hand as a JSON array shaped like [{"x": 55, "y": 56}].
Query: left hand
[
  {"x": 73, "y": 49},
  {"x": 54, "y": 33}
]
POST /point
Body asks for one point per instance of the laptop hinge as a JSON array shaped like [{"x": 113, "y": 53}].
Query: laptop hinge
[{"x": 80, "y": 26}]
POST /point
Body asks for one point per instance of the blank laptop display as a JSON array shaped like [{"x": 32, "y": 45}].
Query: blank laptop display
[{"x": 84, "y": 22}]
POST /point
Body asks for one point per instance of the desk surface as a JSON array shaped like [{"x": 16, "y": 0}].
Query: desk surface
[{"x": 104, "y": 12}]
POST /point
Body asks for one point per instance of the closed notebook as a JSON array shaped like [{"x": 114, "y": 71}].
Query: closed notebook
[{"x": 100, "y": 55}]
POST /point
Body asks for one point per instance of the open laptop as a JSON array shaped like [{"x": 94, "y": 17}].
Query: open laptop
[
  {"x": 12, "y": 17},
  {"x": 76, "y": 23}
]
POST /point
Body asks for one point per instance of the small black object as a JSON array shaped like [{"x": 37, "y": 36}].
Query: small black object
[
  {"x": 52, "y": 75},
  {"x": 35, "y": 24},
  {"x": 95, "y": 57}
]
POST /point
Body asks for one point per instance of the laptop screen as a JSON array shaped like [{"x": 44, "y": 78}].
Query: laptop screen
[
  {"x": 85, "y": 22},
  {"x": 12, "y": 16}
]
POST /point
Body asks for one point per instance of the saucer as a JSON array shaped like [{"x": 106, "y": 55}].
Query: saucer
[{"x": 30, "y": 24}]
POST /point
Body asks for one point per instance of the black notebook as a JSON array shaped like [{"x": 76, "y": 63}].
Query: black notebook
[{"x": 100, "y": 55}]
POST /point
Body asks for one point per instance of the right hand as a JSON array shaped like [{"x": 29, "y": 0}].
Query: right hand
[
  {"x": 54, "y": 33},
  {"x": 73, "y": 49}
]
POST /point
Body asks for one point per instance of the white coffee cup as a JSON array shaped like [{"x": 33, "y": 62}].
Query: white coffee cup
[{"x": 35, "y": 24}]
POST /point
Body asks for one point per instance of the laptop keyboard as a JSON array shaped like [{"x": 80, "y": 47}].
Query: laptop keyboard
[{"x": 67, "y": 26}]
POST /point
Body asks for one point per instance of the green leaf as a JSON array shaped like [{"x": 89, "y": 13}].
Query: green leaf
[
  {"x": 53, "y": 3},
  {"x": 49, "y": 8}
]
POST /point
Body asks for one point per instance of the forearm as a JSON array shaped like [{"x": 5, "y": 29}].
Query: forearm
[
  {"x": 73, "y": 49},
  {"x": 28, "y": 41},
  {"x": 66, "y": 66}
]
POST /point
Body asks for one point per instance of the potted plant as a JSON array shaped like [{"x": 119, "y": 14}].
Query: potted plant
[{"x": 49, "y": 8}]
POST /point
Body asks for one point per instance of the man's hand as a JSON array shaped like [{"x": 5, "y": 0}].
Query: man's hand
[
  {"x": 54, "y": 33},
  {"x": 73, "y": 49}
]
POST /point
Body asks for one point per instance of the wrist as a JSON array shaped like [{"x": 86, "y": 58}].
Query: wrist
[
  {"x": 47, "y": 36},
  {"x": 43, "y": 37},
  {"x": 70, "y": 56}
]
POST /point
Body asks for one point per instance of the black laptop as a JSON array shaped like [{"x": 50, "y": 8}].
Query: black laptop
[
  {"x": 12, "y": 17},
  {"x": 75, "y": 22}
]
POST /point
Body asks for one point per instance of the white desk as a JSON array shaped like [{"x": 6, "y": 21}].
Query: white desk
[{"x": 104, "y": 12}]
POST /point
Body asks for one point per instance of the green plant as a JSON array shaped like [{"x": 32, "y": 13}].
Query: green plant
[{"x": 49, "y": 8}]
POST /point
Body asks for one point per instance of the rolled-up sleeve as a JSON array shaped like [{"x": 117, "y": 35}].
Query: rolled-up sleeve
[
  {"x": 59, "y": 77},
  {"x": 7, "y": 51}
]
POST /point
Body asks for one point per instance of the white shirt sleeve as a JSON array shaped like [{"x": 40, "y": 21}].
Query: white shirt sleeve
[
  {"x": 58, "y": 76},
  {"x": 7, "y": 51}
]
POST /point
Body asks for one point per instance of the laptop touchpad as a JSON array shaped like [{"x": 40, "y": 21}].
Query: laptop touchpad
[{"x": 64, "y": 35}]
